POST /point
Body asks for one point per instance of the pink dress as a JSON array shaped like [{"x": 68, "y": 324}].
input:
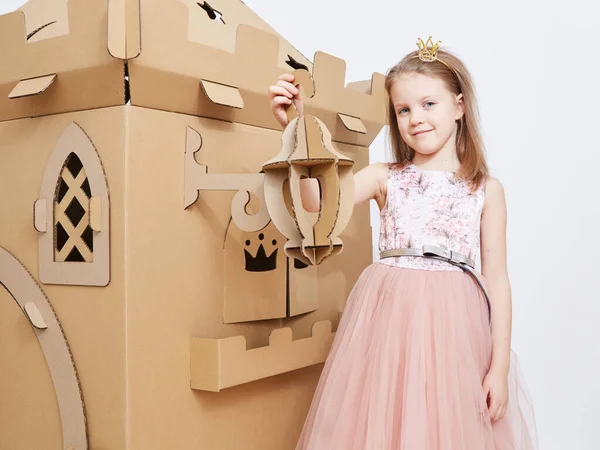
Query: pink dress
[{"x": 414, "y": 344}]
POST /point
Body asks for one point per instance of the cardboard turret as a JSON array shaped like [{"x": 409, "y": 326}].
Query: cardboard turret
[{"x": 148, "y": 301}]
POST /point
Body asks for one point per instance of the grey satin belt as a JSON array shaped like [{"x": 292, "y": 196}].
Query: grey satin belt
[{"x": 442, "y": 254}]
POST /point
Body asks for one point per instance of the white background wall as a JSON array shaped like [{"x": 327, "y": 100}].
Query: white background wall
[{"x": 536, "y": 68}]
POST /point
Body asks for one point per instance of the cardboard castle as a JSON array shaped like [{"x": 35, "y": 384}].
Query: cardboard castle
[{"x": 162, "y": 285}]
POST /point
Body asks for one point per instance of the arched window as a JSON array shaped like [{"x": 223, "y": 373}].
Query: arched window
[{"x": 74, "y": 201}]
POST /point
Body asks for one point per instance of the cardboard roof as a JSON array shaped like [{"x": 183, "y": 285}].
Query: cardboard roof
[{"x": 205, "y": 58}]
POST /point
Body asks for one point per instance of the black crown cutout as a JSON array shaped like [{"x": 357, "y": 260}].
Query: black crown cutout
[{"x": 261, "y": 262}]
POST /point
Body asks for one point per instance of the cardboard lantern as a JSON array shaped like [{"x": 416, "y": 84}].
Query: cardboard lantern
[
  {"x": 146, "y": 297},
  {"x": 309, "y": 153}
]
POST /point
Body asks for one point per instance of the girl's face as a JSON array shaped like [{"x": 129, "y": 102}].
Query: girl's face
[{"x": 426, "y": 112}]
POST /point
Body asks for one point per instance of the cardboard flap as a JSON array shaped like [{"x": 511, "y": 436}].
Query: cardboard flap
[
  {"x": 96, "y": 214},
  {"x": 303, "y": 293},
  {"x": 35, "y": 316},
  {"x": 32, "y": 86},
  {"x": 255, "y": 275},
  {"x": 222, "y": 94},
  {"x": 353, "y": 123},
  {"x": 124, "y": 28},
  {"x": 39, "y": 215}
]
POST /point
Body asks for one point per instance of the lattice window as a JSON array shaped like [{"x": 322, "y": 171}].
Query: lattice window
[
  {"x": 72, "y": 214},
  {"x": 73, "y": 237}
]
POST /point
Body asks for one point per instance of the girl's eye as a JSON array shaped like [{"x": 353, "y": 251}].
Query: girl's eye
[
  {"x": 429, "y": 103},
  {"x": 402, "y": 111}
]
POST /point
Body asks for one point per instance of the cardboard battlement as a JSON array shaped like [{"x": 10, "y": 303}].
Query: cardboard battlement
[
  {"x": 217, "y": 364},
  {"x": 170, "y": 58},
  {"x": 84, "y": 75},
  {"x": 135, "y": 137},
  {"x": 155, "y": 54}
]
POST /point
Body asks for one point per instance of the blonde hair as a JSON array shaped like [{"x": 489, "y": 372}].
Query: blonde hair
[{"x": 469, "y": 143}]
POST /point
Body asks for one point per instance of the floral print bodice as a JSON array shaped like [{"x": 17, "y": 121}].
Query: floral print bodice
[{"x": 430, "y": 207}]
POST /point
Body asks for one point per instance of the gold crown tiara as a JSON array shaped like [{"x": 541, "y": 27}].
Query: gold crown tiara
[{"x": 428, "y": 51}]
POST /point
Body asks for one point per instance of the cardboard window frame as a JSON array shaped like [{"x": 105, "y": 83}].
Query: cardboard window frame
[{"x": 95, "y": 273}]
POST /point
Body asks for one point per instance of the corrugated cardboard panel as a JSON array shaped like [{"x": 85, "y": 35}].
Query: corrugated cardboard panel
[
  {"x": 87, "y": 75},
  {"x": 93, "y": 318},
  {"x": 214, "y": 23},
  {"x": 168, "y": 72},
  {"x": 175, "y": 281},
  {"x": 16, "y": 278},
  {"x": 28, "y": 395},
  {"x": 45, "y": 19}
]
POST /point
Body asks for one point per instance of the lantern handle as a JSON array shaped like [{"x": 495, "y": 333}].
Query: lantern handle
[{"x": 303, "y": 79}]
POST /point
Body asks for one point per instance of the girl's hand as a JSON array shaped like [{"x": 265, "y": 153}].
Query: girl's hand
[
  {"x": 281, "y": 94},
  {"x": 495, "y": 388}
]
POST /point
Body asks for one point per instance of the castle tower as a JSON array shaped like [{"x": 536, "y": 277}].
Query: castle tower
[{"x": 141, "y": 307}]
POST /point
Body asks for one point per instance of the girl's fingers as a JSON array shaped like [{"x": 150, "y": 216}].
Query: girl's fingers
[
  {"x": 278, "y": 90},
  {"x": 287, "y": 77},
  {"x": 288, "y": 86},
  {"x": 493, "y": 408},
  {"x": 500, "y": 412},
  {"x": 279, "y": 100}
]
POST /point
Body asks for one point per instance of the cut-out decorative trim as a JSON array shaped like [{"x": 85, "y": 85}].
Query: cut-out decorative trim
[
  {"x": 295, "y": 64},
  {"x": 212, "y": 13},
  {"x": 37, "y": 30},
  {"x": 74, "y": 172},
  {"x": 197, "y": 178},
  {"x": 217, "y": 364},
  {"x": 23, "y": 288}
]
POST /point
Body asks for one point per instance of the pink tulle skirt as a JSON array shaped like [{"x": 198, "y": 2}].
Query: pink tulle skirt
[{"x": 406, "y": 368}]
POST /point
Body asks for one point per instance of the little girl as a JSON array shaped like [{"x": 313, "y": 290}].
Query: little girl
[{"x": 416, "y": 364}]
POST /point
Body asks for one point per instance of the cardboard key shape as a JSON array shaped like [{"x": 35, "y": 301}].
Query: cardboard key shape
[{"x": 308, "y": 152}]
